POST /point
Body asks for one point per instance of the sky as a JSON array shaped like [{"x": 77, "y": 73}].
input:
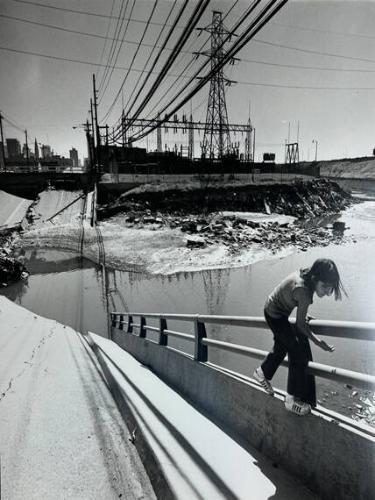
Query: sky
[{"x": 308, "y": 75}]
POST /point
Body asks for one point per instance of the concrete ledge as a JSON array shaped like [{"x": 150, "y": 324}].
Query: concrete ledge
[
  {"x": 332, "y": 458},
  {"x": 186, "y": 455}
]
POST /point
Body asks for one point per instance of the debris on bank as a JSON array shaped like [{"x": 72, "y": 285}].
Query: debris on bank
[
  {"x": 205, "y": 224},
  {"x": 362, "y": 407},
  {"x": 11, "y": 269}
]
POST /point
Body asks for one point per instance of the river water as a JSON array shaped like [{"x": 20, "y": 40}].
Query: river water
[{"x": 64, "y": 287}]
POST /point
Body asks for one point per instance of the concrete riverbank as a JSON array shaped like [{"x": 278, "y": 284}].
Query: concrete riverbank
[{"x": 61, "y": 434}]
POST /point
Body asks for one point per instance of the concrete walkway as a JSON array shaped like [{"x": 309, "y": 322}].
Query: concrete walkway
[
  {"x": 196, "y": 458},
  {"x": 61, "y": 434}
]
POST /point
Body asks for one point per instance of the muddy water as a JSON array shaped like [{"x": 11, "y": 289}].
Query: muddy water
[{"x": 64, "y": 287}]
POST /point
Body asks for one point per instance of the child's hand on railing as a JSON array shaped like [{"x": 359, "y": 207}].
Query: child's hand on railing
[{"x": 326, "y": 347}]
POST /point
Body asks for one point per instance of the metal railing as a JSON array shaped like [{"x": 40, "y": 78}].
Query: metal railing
[{"x": 344, "y": 329}]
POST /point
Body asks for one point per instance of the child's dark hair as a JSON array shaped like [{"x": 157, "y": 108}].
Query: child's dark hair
[{"x": 324, "y": 270}]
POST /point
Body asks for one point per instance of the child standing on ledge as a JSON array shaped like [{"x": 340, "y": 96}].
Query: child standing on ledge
[{"x": 297, "y": 290}]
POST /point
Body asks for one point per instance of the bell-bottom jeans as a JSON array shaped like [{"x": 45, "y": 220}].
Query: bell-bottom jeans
[{"x": 288, "y": 340}]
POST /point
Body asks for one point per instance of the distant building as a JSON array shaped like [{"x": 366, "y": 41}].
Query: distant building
[
  {"x": 13, "y": 147},
  {"x": 25, "y": 151},
  {"x": 73, "y": 153},
  {"x": 36, "y": 150},
  {"x": 46, "y": 151}
]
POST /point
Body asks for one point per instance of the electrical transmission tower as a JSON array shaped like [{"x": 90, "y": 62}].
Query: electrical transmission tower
[{"x": 216, "y": 140}]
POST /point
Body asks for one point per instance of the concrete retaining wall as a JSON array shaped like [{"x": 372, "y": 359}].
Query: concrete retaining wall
[{"x": 332, "y": 458}]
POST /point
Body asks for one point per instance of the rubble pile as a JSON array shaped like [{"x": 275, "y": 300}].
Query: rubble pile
[
  {"x": 208, "y": 226},
  {"x": 235, "y": 232}
]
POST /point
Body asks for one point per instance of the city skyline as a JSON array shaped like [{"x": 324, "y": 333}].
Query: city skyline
[{"x": 308, "y": 74}]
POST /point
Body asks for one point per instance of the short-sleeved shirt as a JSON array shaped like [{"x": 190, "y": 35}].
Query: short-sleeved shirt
[{"x": 283, "y": 300}]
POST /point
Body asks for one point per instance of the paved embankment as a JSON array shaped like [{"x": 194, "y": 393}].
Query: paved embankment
[
  {"x": 61, "y": 434},
  {"x": 62, "y": 207},
  {"x": 12, "y": 210},
  {"x": 187, "y": 456}
]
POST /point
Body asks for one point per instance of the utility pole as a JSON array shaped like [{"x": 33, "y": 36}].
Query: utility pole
[
  {"x": 92, "y": 123},
  {"x": 191, "y": 137},
  {"x": 96, "y": 125},
  {"x": 159, "y": 142},
  {"x": 316, "y": 149},
  {"x": 2, "y": 163},
  {"x": 123, "y": 131}
]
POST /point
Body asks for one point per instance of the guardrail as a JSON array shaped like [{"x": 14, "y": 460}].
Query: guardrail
[{"x": 345, "y": 329}]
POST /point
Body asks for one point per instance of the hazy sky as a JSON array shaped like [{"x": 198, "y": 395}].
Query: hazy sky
[{"x": 328, "y": 84}]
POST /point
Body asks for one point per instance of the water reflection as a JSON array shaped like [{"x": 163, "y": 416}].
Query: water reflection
[{"x": 15, "y": 291}]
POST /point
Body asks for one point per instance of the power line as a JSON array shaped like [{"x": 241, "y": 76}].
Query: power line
[
  {"x": 262, "y": 18},
  {"x": 139, "y": 46},
  {"x": 87, "y": 13},
  {"x": 328, "y": 32},
  {"x": 194, "y": 19},
  {"x": 134, "y": 56},
  {"x": 315, "y": 68},
  {"x": 78, "y": 61},
  {"x": 106, "y": 38},
  {"x": 183, "y": 73},
  {"x": 114, "y": 44},
  {"x": 246, "y": 14},
  {"x": 154, "y": 46},
  {"x": 308, "y": 51},
  {"x": 147, "y": 61},
  {"x": 38, "y": 54},
  {"x": 276, "y": 85},
  {"x": 9, "y": 122}
]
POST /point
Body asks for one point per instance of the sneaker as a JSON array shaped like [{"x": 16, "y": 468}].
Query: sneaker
[
  {"x": 296, "y": 406},
  {"x": 259, "y": 377}
]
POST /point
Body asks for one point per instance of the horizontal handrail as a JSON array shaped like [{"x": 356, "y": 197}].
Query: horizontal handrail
[
  {"x": 181, "y": 335},
  {"x": 151, "y": 328},
  {"x": 346, "y": 329},
  {"x": 323, "y": 371},
  {"x": 331, "y": 328}
]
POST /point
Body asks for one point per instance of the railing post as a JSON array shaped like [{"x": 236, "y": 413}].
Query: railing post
[
  {"x": 121, "y": 324},
  {"x": 113, "y": 320},
  {"x": 142, "y": 331},
  {"x": 130, "y": 326},
  {"x": 163, "y": 338},
  {"x": 200, "y": 350}
]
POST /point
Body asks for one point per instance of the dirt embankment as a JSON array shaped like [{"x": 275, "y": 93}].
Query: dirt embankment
[
  {"x": 314, "y": 198},
  {"x": 348, "y": 168},
  {"x": 200, "y": 213}
]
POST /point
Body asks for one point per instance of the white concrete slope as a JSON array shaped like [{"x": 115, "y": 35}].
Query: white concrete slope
[
  {"x": 197, "y": 459},
  {"x": 61, "y": 434},
  {"x": 51, "y": 201},
  {"x": 12, "y": 210}
]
